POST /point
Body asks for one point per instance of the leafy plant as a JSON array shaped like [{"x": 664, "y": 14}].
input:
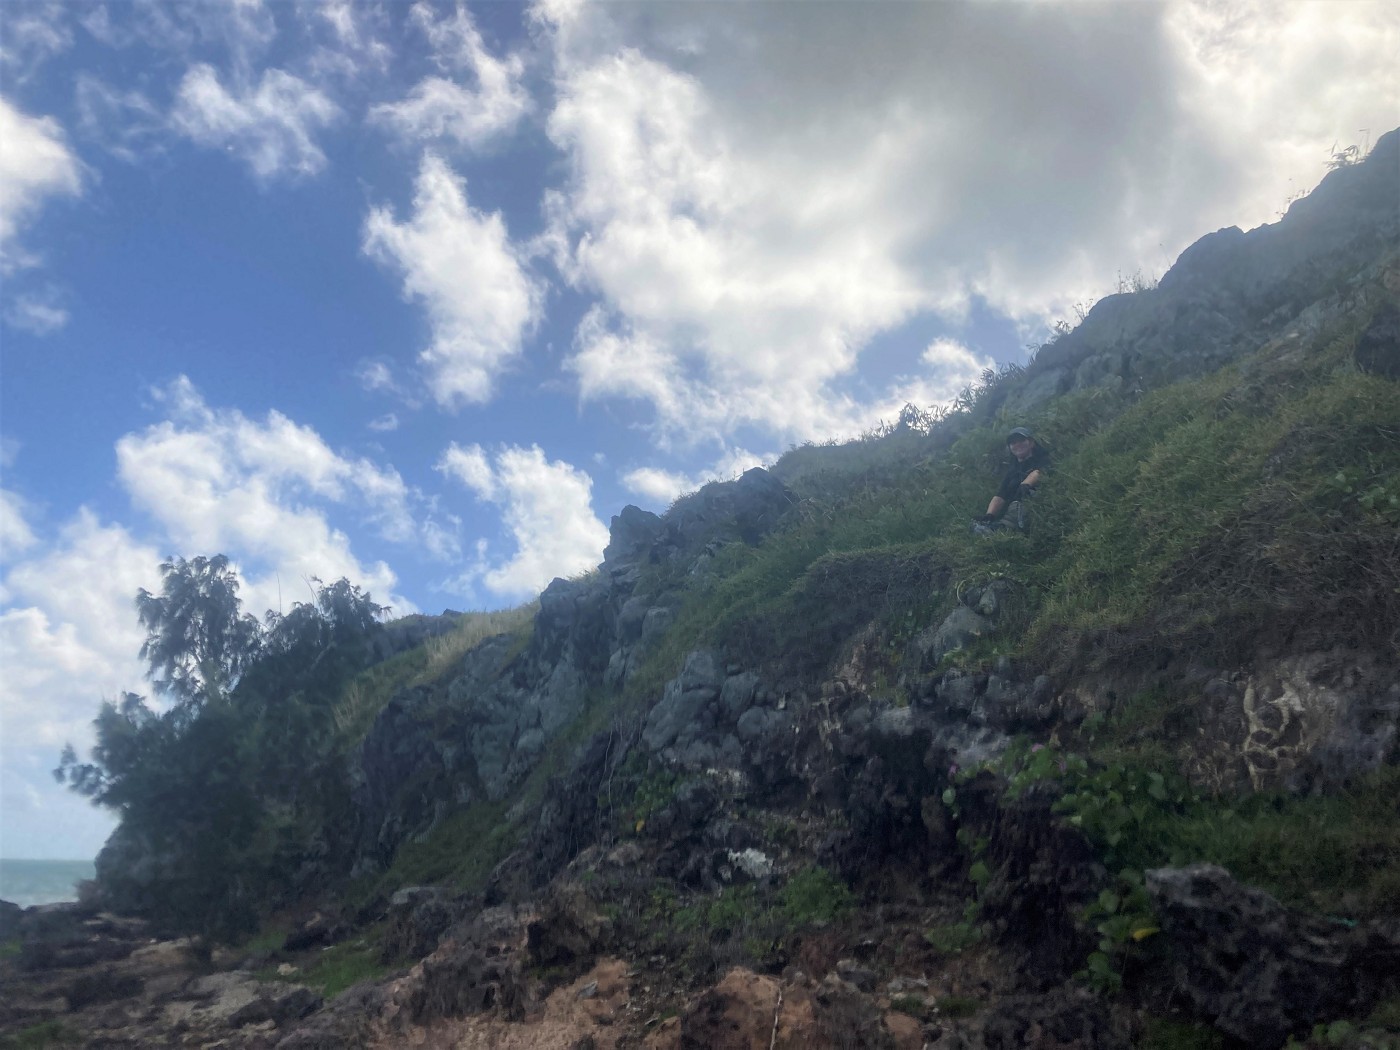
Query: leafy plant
[
  {"x": 815, "y": 895},
  {"x": 954, "y": 938},
  {"x": 1123, "y": 918}
]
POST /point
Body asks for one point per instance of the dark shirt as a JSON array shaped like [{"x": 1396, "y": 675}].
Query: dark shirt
[{"x": 1039, "y": 459}]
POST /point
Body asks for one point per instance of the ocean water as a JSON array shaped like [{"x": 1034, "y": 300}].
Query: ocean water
[{"x": 29, "y": 882}]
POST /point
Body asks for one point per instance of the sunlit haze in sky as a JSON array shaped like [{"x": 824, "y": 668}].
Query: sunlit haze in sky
[{"x": 421, "y": 294}]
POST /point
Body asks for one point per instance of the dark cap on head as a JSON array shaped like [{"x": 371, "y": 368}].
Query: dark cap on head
[{"x": 1019, "y": 432}]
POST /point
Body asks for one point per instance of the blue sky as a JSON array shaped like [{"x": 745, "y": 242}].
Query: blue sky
[{"x": 423, "y": 293}]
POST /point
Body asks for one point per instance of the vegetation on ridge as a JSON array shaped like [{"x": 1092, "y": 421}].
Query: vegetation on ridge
[{"x": 1249, "y": 511}]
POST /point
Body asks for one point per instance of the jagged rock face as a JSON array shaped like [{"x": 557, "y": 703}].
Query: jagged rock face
[
  {"x": 1259, "y": 972},
  {"x": 1230, "y": 292},
  {"x": 427, "y": 753}
]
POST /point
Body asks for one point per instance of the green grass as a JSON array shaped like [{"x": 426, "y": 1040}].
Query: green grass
[
  {"x": 268, "y": 939},
  {"x": 1242, "y": 505},
  {"x": 1238, "y": 507},
  {"x": 815, "y": 895},
  {"x": 9, "y": 949},
  {"x": 1335, "y": 855},
  {"x": 954, "y": 938},
  {"x": 334, "y": 969},
  {"x": 461, "y": 851},
  {"x": 51, "y": 1033},
  {"x": 1160, "y": 1033}
]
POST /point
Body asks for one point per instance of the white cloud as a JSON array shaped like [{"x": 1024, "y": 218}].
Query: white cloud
[
  {"x": 734, "y": 300},
  {"x": 15, "y": 534},
  {"x": 902, "y": 160},
  {"x": 33, "y": 33},
  {"x": 385, "y": 423},
  {"x": 160, "y": 26},
  {"x": 441, "y": 107},
  {"x": 471, "y": 467},
  {"x": 68, "y": 632},
  {"x": 217, "y": 481},
  {"x": 375, "y": 375},
  {"x": 440, "y": 540},
  {"x": 1276, "y": 86},
  {"x": 271, "y": 127},
  {"x": 461, "y": 265},
  {"x": 662, "y": 487},
  {"x": 546, "y": 509},
  {"x": 243, "y": 28},
  {"x": 126, "y": 123},
  {"x": 354, "y": 47},
  {"x": 38, "y": 313},
  {"x": 35, "y": 164}
]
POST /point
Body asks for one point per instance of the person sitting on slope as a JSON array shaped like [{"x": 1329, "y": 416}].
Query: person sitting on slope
[{"x": 1029, "y": 463}]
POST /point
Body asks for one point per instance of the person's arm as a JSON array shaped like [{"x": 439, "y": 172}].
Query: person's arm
[{"x": 1032, "y": 479}]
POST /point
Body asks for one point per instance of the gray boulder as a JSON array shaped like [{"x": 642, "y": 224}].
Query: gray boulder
[
  {"x": 961, "y": 628},
  {"x": 1258, "y": 971},
  {"x": 686, "y": 696}
]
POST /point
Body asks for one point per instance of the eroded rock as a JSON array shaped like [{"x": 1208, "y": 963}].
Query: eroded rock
[{"x": 1259, "y": 972}]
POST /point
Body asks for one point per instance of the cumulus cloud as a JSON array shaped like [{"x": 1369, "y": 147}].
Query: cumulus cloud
[
  {"x": 905, "y": 161},
  {"x": 35, "y": 165},
  {"x": 662, "y": 487},
  {"x": 70, "y": 614},
  {"x": 271, "y": 126},
  {"x": 15, "y": 534},
  {"x": 470, "y": 114},
  {"x": 69, "y": 638},
  {"x": 441, "y": 109},
  {"x": 460, "y": 264},
  {"x": 215, "y": 480},
  {"x": 545, "y": 508},
  {"x": 210, "y": 481}
]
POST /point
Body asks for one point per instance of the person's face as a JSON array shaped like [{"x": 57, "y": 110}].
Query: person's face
[{"x": 1021, "y": 447}]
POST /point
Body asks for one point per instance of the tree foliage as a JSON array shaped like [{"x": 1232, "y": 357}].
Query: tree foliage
[
  {"x": 198, "y": 641},
  {"x": 223, "y": 781}
]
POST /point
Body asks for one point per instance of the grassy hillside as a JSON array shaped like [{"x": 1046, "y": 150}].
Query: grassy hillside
[
  {"x": 1257, "y": 508},
  {"x": 1234, "y": 510}
]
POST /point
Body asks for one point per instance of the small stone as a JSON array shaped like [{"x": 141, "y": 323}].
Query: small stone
[{"x": 589, "y": 990}]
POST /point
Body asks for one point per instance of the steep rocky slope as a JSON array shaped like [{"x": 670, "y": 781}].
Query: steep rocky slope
[{"x": 804, "y": 764}]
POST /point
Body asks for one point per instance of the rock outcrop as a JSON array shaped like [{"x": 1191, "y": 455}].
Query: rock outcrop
[
  {"x": 431, "y": 749},
  {"x": 759, "y": 767},
  {"x": 1232, "y": 292},
  {"x": 1258, "y": 972}
]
